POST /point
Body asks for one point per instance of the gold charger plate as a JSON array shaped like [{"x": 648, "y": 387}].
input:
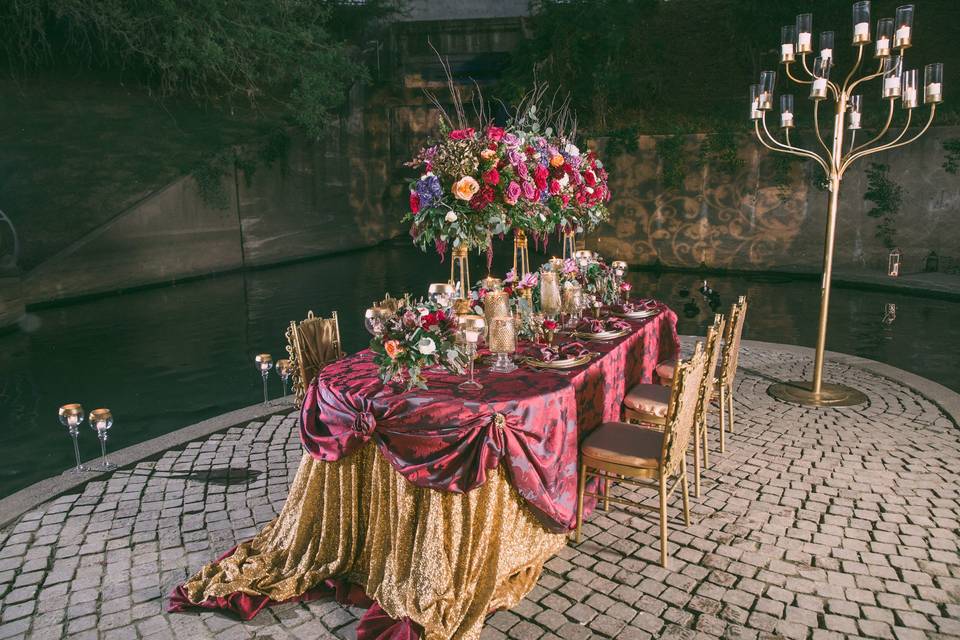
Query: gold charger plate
[
  {"x": 567, "y": 363},
  {"x": 636, "y": 315},
  {"x": 603, "y": 335}
]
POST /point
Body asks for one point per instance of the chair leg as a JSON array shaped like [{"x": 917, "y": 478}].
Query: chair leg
[
  {"x": 706, "y": 441},
  {"x": 730, "y": 409},
  {"x": 697, "y": 441},
  {"x": 582, "y": 485},
  {"x": 723, "y": 422},
  {"x": 686, "y": 492},
  {"x": 606, "y": 494},
  {"x": 663, "y": 518}
]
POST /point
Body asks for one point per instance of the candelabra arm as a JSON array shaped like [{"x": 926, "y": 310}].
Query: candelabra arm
[
  {"x": 856, "y": 67},
  {"x": 883, "y": 132},
  {"x": 877, "y": 74},
  {"x": 896, "y": 142},
  {"x": 816, "y": 128},
  {"x": 775, "y": 145},
  {"x": 797, "y": 80}
]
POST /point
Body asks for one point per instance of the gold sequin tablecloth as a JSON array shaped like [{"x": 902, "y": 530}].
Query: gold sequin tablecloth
[{"x": 442, "y": 559}]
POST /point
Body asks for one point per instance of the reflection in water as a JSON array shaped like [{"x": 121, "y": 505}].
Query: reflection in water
[{"x": 168, "y": 357}]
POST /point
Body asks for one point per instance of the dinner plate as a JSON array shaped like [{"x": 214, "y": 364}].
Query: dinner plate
[
  {"x": 602, "y": 335},
  {"x": 566, "y": 363},
  {"x": 638, "y": 314}
]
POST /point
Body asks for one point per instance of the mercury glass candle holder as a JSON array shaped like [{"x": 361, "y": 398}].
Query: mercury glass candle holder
[
  {"x": 284, "y": 370},
  {"x": 100, "y": 421},
  {"x": 71, "y": 416},
  {"x": 572, "y": 302},
  {"x": 495, "y": 303},
  {"x": 550, "y": 294},
  {"x": 471, "y": 327},
  {"x": 264, "y": 362},
  {"x": 503, "y": 343},
  {"x": 584, "y": 257},
  {"x": 374, "y": 319},
  {"x": 442, "y": 294}
]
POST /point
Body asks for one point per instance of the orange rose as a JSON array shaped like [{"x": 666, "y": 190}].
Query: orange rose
[
  {"x": 465, "y": 188},
  {"x": 393, "y": 348},
  {"x": 557, "y": 161},
  {"x": 488, "y": 154}
]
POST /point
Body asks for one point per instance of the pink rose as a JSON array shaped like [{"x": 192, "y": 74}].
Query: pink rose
[
  {"x": 512, "y": 194},
  {"x": 529, "y": 191},
  {"x": 461, "y": 134},
  {"x": 492, "y": 177},
  {"x": 554, "y": 187},
  {"x": 495, "y": 134}
]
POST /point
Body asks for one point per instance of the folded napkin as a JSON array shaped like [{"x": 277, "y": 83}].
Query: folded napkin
[
  {"x": 568, "y": 350},
  {"x": 645, "y": 304},
  {"x": 590, "y": 325}
]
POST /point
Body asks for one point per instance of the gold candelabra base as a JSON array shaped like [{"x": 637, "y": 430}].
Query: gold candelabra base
[{"x": 830, "y": 395}]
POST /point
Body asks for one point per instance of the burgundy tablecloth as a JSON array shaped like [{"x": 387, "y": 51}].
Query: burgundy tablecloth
[{"x": 450, "y": 440}]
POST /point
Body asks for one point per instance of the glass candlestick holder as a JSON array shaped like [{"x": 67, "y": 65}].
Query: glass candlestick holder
[
  {"x": 503, "y": 343},
  {"x": 284, "y": 370},
  {"x": 471, "y": 326},
  {"x": 71, "y": 416},
  {"x": 100, "y": 421},
  {"x": 264, "y": 362}
]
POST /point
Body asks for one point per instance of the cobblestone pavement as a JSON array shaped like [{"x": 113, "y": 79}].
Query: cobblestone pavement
[{"x": 816, "y": 523}]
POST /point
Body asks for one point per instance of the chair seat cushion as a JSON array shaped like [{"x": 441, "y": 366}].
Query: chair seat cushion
[
  {"x": 652, "y": 399},
  {"x": 622, "y": 443},
  {"x": 667, "y": 369}
]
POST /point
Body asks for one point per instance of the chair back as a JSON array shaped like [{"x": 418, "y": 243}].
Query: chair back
[
  {"x": 682, "y": 413},
  {"x": 731, "y": 344},
  {"x": 713, "y": 349},
  {"x": 312, "y": 344}
]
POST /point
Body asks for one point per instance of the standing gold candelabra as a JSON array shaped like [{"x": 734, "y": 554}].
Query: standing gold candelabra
[{"x": 893, "y": 38}]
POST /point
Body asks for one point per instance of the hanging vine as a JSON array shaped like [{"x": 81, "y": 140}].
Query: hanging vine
[{"x": 886, "y": 196}]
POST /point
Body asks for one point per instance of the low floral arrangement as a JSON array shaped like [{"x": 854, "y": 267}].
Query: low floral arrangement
[
  {"x": 418, "y": 336},
  {"x": 598, "y": 280}
]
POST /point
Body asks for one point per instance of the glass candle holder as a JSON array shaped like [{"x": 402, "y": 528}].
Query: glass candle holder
[
  {"x": 768, "y": 79},
  {"x": 786, "y": 111},
  {"x": 884, "y": 37},
  {"x": 805, "y": 33},
  {"x": 503, "y": 343},
  {"x": 264, "y": 363},
  {"x": 284, "y": 370},
  {"x": 755, "y": 113},
  {"x": 492, "y": 284},
  {"x": 861, "y": 22},
  {"x": 933, "y": 83},
  {"x": 556, "y": 264},
  {"x": 71, "y": 416},
  {"x": 903, "y": 36},
  {"x": 100, "y": 421},
  {"x": 442, "y": 294},
  {"x": 826, "y": 45},
  {"x": 910, "y": 89},
  {"x": 821, "y": 73},
  {"x": 471, "y": 328},
  {"x": 788, "y": 38},
  {"x": 891, "y": 77},
  {"x": 572, "y": 302},
  {"x": 855, "y": 105},
  {"x": 583, "y": 257},
  {"x": 550, "y": 294}
]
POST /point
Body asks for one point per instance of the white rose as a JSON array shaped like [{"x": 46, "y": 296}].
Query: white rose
[
  {"x": 426, "y": 346},
  {"x": 564, "y": 181},
  {"x": 450, "y": 217},
  {"x": 572, "y": 149}
]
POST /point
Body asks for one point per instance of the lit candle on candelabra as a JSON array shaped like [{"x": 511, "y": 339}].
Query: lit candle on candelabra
[
  {"x": 910, "y": 97},
  {"x": 891, "y": 77},
  {"x": 755, "y": 113},
  {"x": 788, "y": 35},
  {"x": 933, "y": 83},
  {"x": 786, "y": 111},
  {"x": 821, "y": 71},
  {"x": 805, "y": 33},
  {"x": 826, "y": 45},
  {"x": 861, "y": 22},
  {"x": 902, "y": 37},
  {"x": 856, "y": 105},
  {"x": 884, "y": 37}
]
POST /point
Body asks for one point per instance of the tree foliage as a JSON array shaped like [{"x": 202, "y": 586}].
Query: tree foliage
[{"x": 279, "y": 52}]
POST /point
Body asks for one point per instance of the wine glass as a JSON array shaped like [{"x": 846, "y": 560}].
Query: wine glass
[{"x": 471, "y": 326}]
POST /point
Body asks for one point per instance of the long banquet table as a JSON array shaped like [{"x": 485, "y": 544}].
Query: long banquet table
[{"x": 433, "y": 507}]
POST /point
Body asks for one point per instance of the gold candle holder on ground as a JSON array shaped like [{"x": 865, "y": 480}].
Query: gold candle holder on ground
[
  {"x": 502, "y": 341},
  {"x": 550, "y": 294},
  {"x": 460, "y": 271}
]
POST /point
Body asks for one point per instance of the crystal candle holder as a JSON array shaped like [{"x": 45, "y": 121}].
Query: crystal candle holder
[
  {"x": 550, "y": 294},
  {"x": 71, "y": 416},
  {"x": 492, "y": 284},
  {"x": 100, "y": 421},
  {"x": 264, "y": 363},
  {"x": 471, "y": 327},
  {"x": 503, "y": 343},
  {"x": 284, "y": 370}
]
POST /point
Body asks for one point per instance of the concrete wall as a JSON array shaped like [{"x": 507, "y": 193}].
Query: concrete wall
[{"x": 748, "y": 221}]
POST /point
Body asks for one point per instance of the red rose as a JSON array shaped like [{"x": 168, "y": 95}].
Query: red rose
[
  {"x": 590, "y": 178},
  {"x": 492, "y": 177},
  {"x": 565, "y": 198},
  {"x": 530, "y": 151},
  {"x": 414, "y": 202},
  {"x": 495, "y": 133},
  {"x": 493, "y": 146},
  {"x": 432, "y": 319},
  {"x": 482, "y": 198},
  {"x": 461, "y": 134},
  {"x": 554, "y": 187},
  {"x": 540, "y": 176}
]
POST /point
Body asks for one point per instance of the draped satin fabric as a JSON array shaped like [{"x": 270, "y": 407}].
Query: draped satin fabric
[{"x": 430, "y": 563}]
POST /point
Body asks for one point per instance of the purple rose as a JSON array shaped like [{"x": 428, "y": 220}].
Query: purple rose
[
  {"x": 529, "y": 191},
  {"x": 512, "y": 194},
  {"x": 510, "y": 140},
  {"x": 529, "y": 281},
  {"x": 515, "y": 158}
]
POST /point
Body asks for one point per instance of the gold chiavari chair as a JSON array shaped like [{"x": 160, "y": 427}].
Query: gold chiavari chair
[
  {"x": 620, "y": 452},
  {"x": 647, "y": 404},
  {"x": 727, "y": 374},
  {"x": 312, "y": 344}
]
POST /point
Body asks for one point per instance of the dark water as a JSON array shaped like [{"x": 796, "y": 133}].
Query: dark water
[{"x": 168, "y": 357}]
